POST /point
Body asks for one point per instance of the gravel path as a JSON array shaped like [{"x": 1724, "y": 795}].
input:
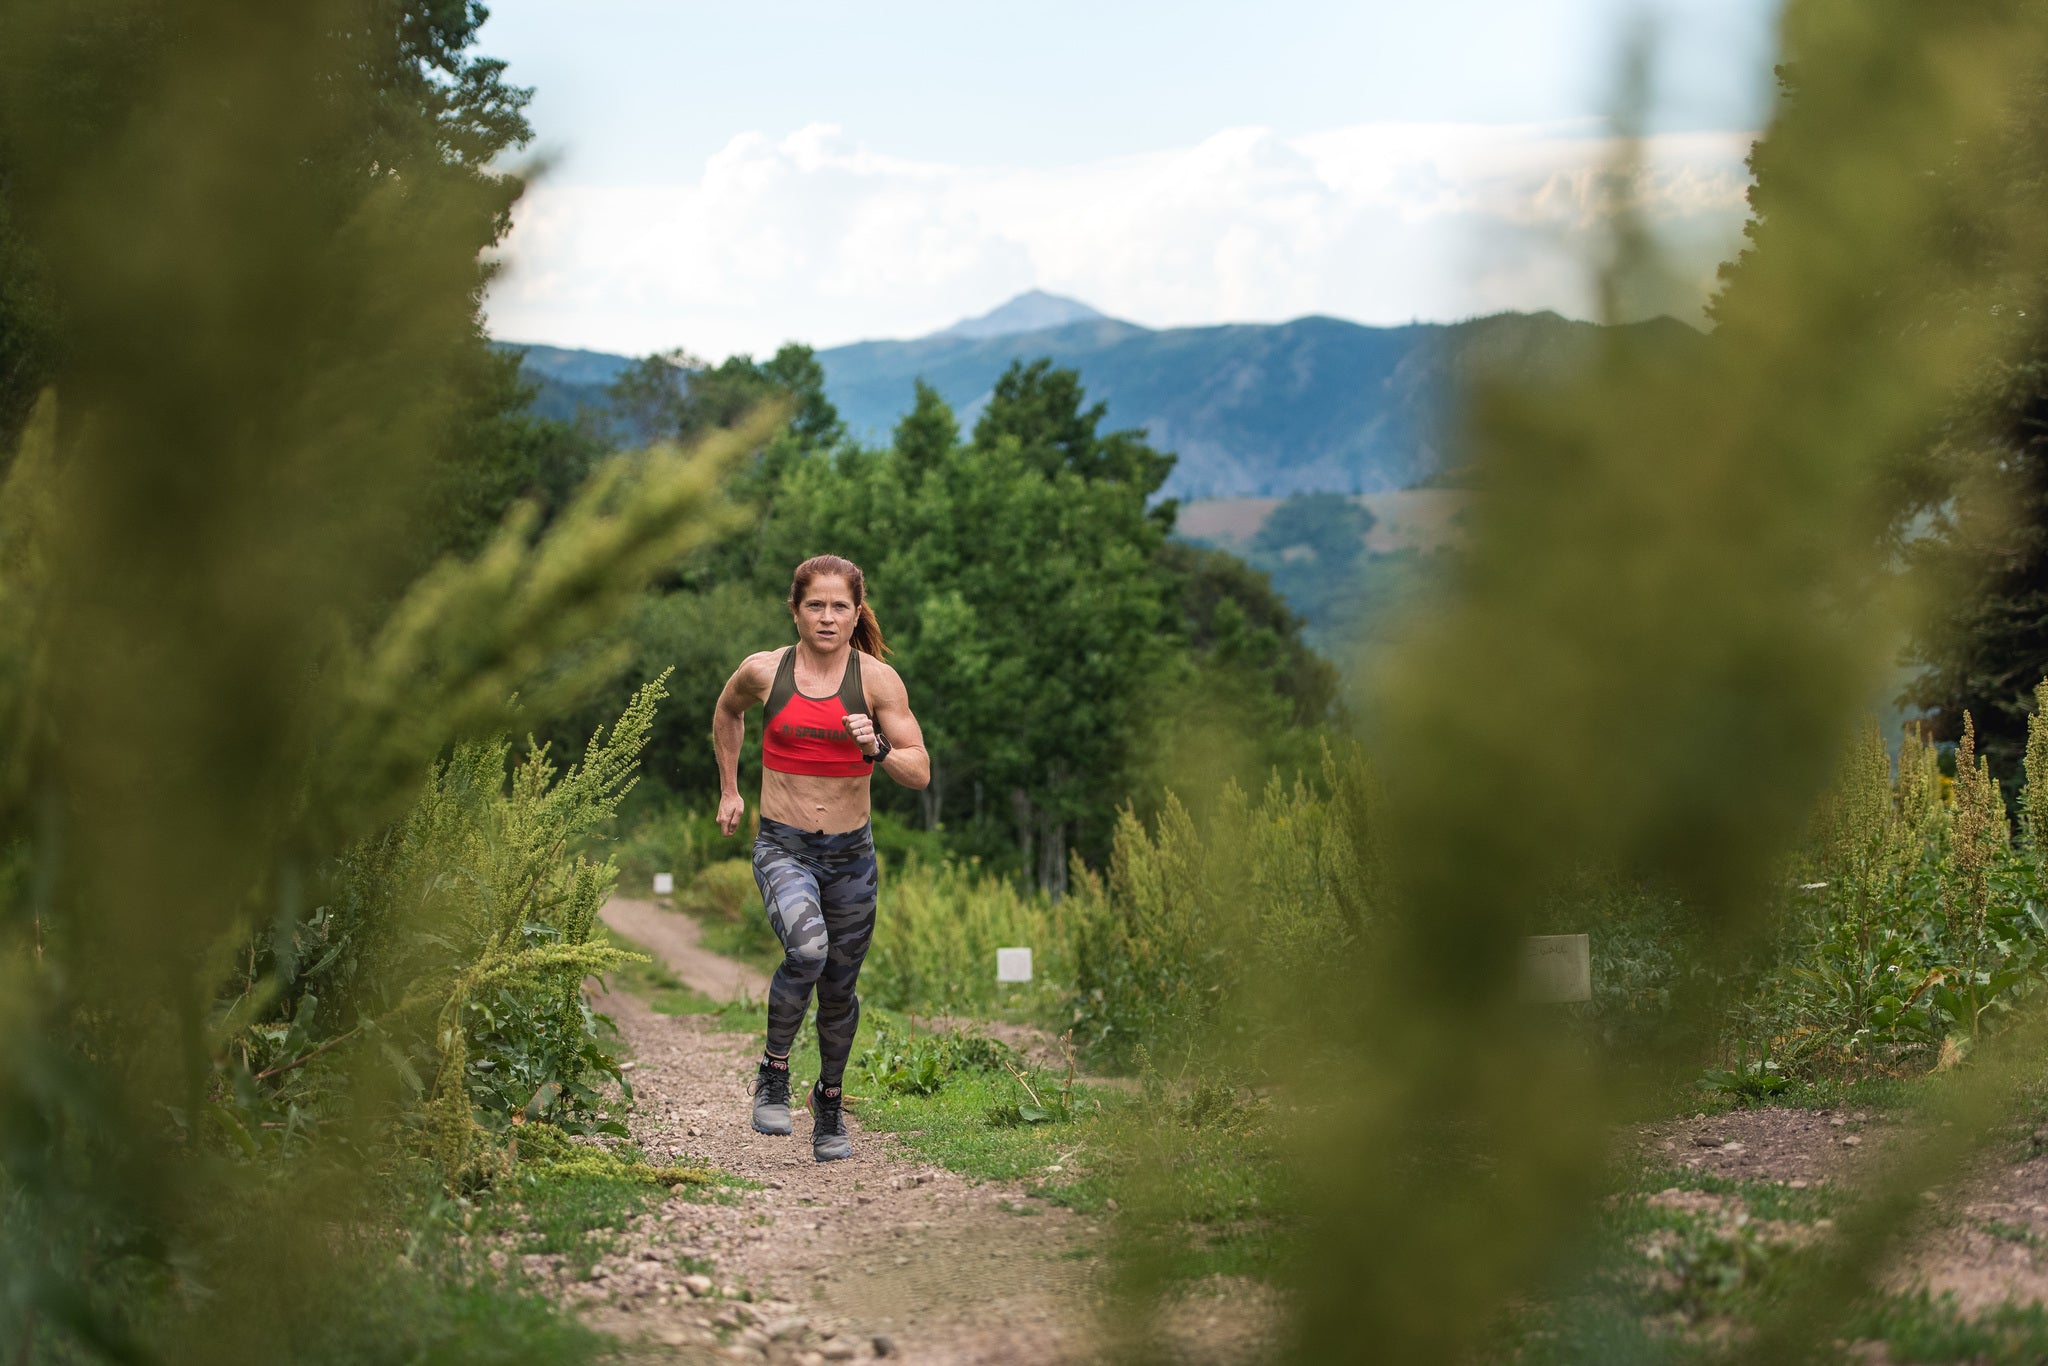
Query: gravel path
[
  {"x": 673, "y": 939},
  {"x": 881, "y": 1254}
]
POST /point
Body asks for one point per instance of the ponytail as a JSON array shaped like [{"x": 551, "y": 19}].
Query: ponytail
[{"x": 867, "y": 631}]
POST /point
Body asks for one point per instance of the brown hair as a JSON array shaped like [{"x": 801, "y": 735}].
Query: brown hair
[{"x": 867, "y": 632}]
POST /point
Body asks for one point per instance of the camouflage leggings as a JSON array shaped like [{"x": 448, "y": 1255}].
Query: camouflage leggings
[{"x": 819, "y": 891}]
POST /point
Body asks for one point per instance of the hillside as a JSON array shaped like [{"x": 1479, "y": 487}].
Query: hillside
[{"x": 1252, "y": 409}]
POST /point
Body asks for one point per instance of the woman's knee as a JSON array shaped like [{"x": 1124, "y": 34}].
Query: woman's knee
[{"x": 804, "y": 963}]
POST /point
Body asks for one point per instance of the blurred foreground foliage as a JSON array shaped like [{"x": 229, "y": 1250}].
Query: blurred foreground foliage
[
  {"x": 1681, "y": 585},
  {"x": 285, "y": 948}
]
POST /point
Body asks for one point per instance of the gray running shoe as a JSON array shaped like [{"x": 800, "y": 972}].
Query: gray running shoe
[
  {"x": 829, "y": 1139},
  {"x": 771, "y": 1101}
]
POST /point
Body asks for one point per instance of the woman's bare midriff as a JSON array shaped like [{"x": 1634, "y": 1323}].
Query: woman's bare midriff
[{"x": 830, "y": 805}]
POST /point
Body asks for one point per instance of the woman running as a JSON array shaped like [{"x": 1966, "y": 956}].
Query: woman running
[{"x": 835, "y": 714}]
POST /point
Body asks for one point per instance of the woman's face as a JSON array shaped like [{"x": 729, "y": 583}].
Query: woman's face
[{"x": 825, "y": 613}]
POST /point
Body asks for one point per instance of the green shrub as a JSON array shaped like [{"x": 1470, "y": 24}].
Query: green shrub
[
  {"x": 459, "y": 939},
  {"x": 936, "y": 938},
  {"x": 1912, "y": 927},
  {"x": 725, "y": 891},
  {"x": 1192, "y": 929},
  {"x": 920, "y": 1064}
]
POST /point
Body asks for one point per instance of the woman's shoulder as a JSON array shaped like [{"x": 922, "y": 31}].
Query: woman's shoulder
[
  {"x": 874, "y": 669},
  {"x": 757, "y": 670}
]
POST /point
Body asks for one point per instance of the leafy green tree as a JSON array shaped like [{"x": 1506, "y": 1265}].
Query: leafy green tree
[
  {"x": 1023, "y": 597},
  {"x": 646, "y": 401},
  {"x": 408, "y": 102},
  {"x": 1983, "y": 644},
  {"x": 1329, "y": 527},
  {"x": 793, "y": 371},
  {"x": 1039, "y": 406},
  {"x": 929, "y": 432},
  {"x": 671, "y": 395},
  {"x": 1236, "y": 617},
  {"x": 701, "y": 635}
]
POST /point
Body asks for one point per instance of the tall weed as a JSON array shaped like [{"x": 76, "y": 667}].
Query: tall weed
[
  {"x": 1191, "y": 930},
  {"x": 936, "y": 938},
  {"x": 1913, "y": 926}
]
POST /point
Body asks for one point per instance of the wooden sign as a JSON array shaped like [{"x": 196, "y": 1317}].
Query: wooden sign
[{"x": 1557, "y": 969}]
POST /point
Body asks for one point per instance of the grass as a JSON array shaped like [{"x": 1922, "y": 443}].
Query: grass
[
  {"x": 578, "y": 1216},
  {"x": 1818, "y": 1093},
  {"x": 444, "y": 1316},
  {"x": 1197, "y": 1180},
  {"x": 951, "y": 1127},
  {"x": 1763, "y": 1199},
  {"x": 1714, "y": 1275},
  {"x": 1920, "y": 1328}
]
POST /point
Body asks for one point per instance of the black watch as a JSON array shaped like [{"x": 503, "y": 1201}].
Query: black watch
[{"x": 882, "y": 748}]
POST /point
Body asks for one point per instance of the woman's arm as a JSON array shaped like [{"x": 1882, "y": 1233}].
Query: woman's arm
[
  {"x": 907, "y": 762},
  {"x": 748, "y": 686}
]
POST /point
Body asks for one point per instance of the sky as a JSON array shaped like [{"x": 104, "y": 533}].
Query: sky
[{"x": 726, "y": 178}]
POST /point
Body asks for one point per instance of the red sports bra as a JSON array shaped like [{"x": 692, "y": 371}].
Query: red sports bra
[{"x": 808, "y": 734}]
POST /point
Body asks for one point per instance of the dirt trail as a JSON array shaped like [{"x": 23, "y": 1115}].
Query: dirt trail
[
  {"x": 880, "y": 1254},
  {"x": 673, "y": 939}
]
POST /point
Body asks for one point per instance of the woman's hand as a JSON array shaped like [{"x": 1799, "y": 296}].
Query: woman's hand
[
  {"x": 732, "y": 807},
  {"x": 862, "y": 728}
]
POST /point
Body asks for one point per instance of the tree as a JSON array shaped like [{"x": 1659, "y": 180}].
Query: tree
[
  {"x": 406, "y": 101},
  {"x": 1967, "y": 503},
  {"x": 1039, "y": 407},
  {"x": 1236, "y": 618},
  {"x": 928, "y": 432},
  {"x": 1983, "y": 643},
  {"x": 671, "y": 395},
  {"x": 498, "y": 453},
  {"x": 794, "y": 371},
  {"x": 648, "y": 397},
  {"x": 701, "y": 636}
]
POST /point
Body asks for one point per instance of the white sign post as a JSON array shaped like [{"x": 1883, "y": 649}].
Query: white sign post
[
  {"x": 664, "y": 884},
  {"x": 1013, "y": 965},
  {"x": 1557, "y": 969}
]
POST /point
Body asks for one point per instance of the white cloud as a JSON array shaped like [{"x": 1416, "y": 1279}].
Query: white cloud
[{"x": 818, "y": 237}]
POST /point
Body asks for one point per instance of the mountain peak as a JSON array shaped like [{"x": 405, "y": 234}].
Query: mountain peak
[{"x": 1030, "y": 311}]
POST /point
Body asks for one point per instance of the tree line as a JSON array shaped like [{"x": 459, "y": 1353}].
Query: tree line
[{"x": 1065, "y": 651}]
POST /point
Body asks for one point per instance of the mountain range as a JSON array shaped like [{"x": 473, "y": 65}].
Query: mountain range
[{"x": 1252, "y": 409}]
